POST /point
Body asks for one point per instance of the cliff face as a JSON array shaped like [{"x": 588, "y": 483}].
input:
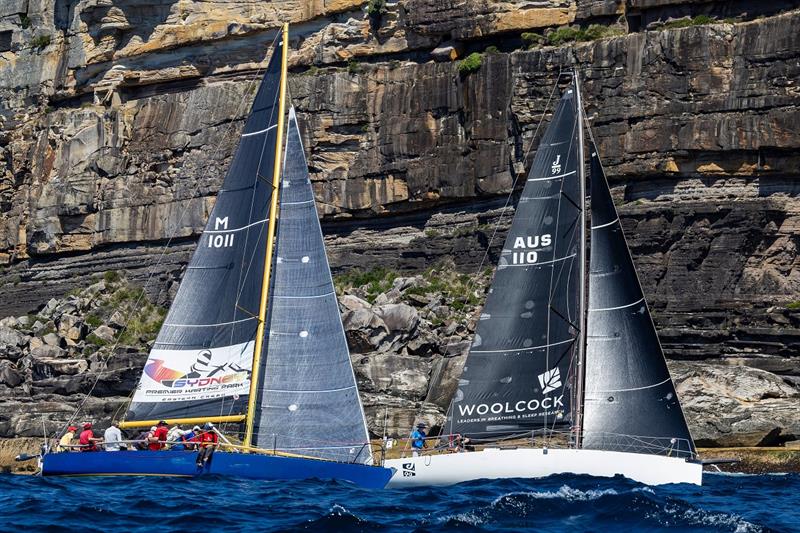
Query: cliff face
[{"x": 118, "y": 119}]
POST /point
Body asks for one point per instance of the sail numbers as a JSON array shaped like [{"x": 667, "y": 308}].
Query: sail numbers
[
  {"x": 522, "y": 253},
  {"x": 224, "y": 240}
]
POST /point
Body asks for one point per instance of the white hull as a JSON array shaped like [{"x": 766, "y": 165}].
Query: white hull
[{"x": 494, "y": 463}]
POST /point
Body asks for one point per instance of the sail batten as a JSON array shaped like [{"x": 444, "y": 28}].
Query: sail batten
[
  {"x": 200, "y": 364},
  {"x": 630, "y": 399},
  {"x": 515, "y": 376}
]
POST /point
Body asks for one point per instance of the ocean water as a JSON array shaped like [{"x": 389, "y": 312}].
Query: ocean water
[{"x": 561, "y": 503}]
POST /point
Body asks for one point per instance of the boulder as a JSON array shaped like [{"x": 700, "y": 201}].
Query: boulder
[
  {"x": 9, "y": 375},
  {"x": 364, "y": 329},
  {"x": 735, "y": 405},
  {"x": 405, "y": 376},
  {"x": 350, "y": 302},
  {"x": 104, "y": 332},
  {"x": 52, "y": 339},
  {"x": 47, "y": 351},
  {"x": 46, "y": 367},
  {"x": 398, "y": 317},
  {"x": 12, "y": 337},
  {"x": 71, "y": 327},
  {"x": 8, "y": 322}
]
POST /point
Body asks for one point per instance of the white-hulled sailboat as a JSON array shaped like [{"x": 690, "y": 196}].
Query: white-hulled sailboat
[
  {"x": 254, "y": 336},
  {"x": 560, "y": 347}
]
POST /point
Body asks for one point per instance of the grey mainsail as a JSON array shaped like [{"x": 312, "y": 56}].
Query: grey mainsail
[
  {"x": 309, "y": 401},
  {"x": 515, "y": 378},
  {"x": 630, "y": 401},
  {"x": 201, "y": 361}
]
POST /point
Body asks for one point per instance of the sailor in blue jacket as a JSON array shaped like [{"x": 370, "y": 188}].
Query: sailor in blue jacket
[{"x": 418, "y": 439}]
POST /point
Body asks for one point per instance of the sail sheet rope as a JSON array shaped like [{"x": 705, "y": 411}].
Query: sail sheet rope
[{"x": 152, "y": 270}]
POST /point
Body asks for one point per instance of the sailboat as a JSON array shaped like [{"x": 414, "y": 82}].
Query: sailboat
[
  {"x": 565, "y": 357},
  {"x": 254, "y": 337}
]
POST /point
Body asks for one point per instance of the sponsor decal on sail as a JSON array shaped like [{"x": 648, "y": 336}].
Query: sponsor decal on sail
[
  {"x": 550, "y": 380},
  {"x": 181, "y": 375}
]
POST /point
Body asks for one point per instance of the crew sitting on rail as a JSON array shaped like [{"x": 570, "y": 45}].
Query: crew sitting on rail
[
  {"x": 66, "y": 441},
  {"x": 113, "y": 438},
  {"x": 209, "y": 440},
  {"x": 174, "y": 435},
  {"x": 157, "y": 437},
  {"x": 88, "y": 442},
  {"x": 188, "y": 440},
  {"x": 418, "y": 439}
]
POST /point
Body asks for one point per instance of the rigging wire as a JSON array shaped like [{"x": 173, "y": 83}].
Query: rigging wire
[{"x": 152, "y": 270}]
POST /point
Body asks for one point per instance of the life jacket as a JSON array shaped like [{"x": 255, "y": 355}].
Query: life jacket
[{"x": 418, "y": 440}]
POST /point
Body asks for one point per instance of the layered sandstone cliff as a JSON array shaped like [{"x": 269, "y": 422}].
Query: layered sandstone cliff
[{"x": 118, "y": 119}]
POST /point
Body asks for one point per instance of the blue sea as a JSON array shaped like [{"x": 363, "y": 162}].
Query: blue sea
[{"x": 559, "y": 503}]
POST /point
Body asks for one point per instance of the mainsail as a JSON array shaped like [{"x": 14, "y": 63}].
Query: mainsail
[
  {"x": 630, "y": 401},
  {"x": 515, "y": 378},
  {"x": 309, "y": 400},
  {"x": 200, "y": 364}
]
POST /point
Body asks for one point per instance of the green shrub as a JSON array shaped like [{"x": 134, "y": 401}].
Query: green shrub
[
  {"x": 491, "y": 50},
  {"x": 25, "y": 21},
  {"x": 353, "y": 67},
  {"x": 793, "y": 306},
  {"x": 374, "y": 281},
  {"x": 470, "y": 64},
  {"x": 111, "y": 276},
  {"x": 93, "y": 320},
  {"x": 40, "y": 41},
  {"x": 699, "y": 20},
  {"x": 376, "y": 8},
  {"x": 565, "y": 35},
  {"x": 532, "y": 39},
  {"x": 95, "y": 340}
]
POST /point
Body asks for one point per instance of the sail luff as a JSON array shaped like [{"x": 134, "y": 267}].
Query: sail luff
[
  {"x": 262, "y": 310},
  {"x": 580, "y": 365}
]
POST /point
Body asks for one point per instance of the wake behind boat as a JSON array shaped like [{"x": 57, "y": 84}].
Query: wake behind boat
[
  {"x": 253, "y": 339},
  {"x": 565, "y": 352}
]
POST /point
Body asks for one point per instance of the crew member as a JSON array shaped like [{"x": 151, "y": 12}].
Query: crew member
[
  {"x": 87, "y": 439},
  {"x": 418, "y": 439},
  {"x": 209, "y": 440},
  {"x": 159, "y": 439},
  {"x": 66, "y": 441},
  {"x": 112, "y": 438}
]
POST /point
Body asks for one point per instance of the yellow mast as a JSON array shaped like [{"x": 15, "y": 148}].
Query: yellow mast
[{"x": 262, "y": 310}]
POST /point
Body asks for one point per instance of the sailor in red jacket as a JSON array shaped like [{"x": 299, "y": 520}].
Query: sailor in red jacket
[
  {"x": 159, "y": 438},
  {"x": 209, "y": 440},
  {"x": 87, "y": 440}
]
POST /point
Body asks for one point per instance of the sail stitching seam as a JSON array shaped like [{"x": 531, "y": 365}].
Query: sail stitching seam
[
  {"x": 606, "y": 224},
  {"x": 210, "y": 325},
  {"x": 259, "y": 131},
  {"x": 236, "y": 229},
  {"x": 630, "y": 390},
  {"x": 525, "y": 349},
  {"x": 553, "y": 177}
]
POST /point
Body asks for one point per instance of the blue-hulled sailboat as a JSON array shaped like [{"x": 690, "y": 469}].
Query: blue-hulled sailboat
[{"x": 254, "y": 337}]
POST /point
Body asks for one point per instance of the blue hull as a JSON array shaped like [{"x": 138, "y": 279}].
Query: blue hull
[{"x": 244, "y": 465}]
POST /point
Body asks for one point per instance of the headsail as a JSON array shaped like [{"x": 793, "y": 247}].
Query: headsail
[
  {"x": 309, "y": 401},
  {"x": 515, "y": 376},
  {"x": 630, "y": 400},
  {"x": 200, "y": 364}
]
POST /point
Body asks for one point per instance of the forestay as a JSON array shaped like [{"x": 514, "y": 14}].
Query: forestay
[
  {"x": 201, "y": 362},
  {"x": 309, "y": 401},
  {"x": 630, "y": 401},
  {"x": 515, "y": 376}
]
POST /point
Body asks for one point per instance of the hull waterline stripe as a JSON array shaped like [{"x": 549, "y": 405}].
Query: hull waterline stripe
[
  {"x": 618, "y": 307},
  {"x": 606, "y": 224},
  {"x": 256, "y": 223},
  {"x": 524, "y": 349},
  {"x": 259, "y": 132},
  {"x": 628, "y": 390},
  {"x": 553, "y": 177}
]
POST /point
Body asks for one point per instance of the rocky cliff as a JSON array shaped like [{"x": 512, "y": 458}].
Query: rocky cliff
[{"x": 118, "y": 118}]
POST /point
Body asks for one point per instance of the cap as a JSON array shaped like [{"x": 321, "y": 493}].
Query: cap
[
  {"x": 422, "y": 425},
  {"x": 72, "y": 428},
  {"x": 153, "y": 428},
  {"x": 208, "y": 425},
  {"x": 162, "y": 423},
  {"x": 196, "y": 428},
  {"x": 87, "y": 425}
]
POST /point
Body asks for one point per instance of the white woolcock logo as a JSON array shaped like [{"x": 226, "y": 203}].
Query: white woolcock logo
[
  {"x": 550, "y": 380},
  {"x": 556, "y": 168}
]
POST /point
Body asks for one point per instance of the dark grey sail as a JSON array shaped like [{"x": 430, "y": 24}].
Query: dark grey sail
[
  {"x": 630, "y": 402},
  {"x": 309, "y": 402},
  {"x": 515, "y": 378},
  {"x": 200, "y": 364}
]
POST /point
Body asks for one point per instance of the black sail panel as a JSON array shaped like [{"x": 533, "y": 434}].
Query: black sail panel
[
  {"x": 201, "y": 361},
  {"x": 630, "y": 401},
  {"x": 309, "y": 401},
  {"x": 515, "y": 378}
]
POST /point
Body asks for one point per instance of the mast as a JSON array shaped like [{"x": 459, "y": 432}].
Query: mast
[
  {"x": 580, "y": 365},
  {"x": 273, "y": 212}
]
